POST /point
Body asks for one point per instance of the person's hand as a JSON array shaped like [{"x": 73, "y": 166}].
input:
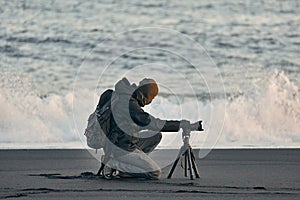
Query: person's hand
[{"x": 197, "y": 126}]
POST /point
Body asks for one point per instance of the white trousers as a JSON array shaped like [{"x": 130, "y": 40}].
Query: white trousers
[{"x": 138, "y": 163}]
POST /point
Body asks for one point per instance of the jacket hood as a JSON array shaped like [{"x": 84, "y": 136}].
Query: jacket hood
[{"x": 123, "y": 87}]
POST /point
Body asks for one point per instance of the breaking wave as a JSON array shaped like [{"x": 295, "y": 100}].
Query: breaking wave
[{"x": 267, "y": 116}]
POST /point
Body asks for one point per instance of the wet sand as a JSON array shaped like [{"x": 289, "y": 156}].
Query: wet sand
[{"x": 225, "y": 174}]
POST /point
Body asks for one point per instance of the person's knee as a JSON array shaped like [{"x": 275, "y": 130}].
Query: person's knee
[
  {"x": 152, "y": 143},
  {"x": 158, "y": 137}
]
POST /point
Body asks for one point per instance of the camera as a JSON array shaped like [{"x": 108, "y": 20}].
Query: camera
[
  {"x": 200, "y": 128},
  {"x": 197, "y": 126}
]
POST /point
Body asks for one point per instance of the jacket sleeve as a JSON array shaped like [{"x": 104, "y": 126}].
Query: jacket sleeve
[
  {"x": 147, "y": 121},
  {"x": 171, "y": 126}
]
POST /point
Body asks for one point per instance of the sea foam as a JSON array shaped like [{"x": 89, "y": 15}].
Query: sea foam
[{"x": 268, "y": 116}]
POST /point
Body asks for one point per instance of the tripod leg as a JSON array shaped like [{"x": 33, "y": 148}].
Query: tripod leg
[
  {"x": 185, "y": 164},
  {"x": 101, "y": 169},
  {"x": 190, "y": 164},
  {"x": 175, "y": 163},
  {"x": 104, "y": 159},
  {"x": 173, "y": 167},
  {"x": 194, "y": 163}
]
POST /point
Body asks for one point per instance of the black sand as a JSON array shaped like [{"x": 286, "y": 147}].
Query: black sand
[{"x": 225, "y": 174}]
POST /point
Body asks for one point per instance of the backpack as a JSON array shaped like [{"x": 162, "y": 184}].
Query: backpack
[{"x": 98, "y": 126}]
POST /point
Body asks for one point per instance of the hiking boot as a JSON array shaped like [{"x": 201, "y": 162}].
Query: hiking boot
[{"x": 109, "y": 173}]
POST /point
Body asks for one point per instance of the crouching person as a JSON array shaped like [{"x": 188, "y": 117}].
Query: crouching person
[{"x": 135, "y": 133}]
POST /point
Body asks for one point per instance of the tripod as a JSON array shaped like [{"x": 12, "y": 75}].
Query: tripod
[{"x": 189, "y": 157}]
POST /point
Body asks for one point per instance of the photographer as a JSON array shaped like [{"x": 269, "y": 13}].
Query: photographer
[{"x": 134, "y": 133}]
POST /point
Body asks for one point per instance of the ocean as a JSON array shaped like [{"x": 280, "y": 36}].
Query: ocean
[{"x": 233, "y": 64}]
